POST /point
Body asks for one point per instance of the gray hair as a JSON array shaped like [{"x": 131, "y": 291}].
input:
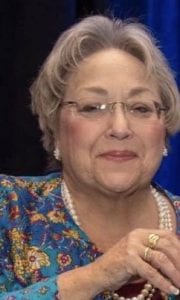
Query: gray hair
[{"x": 90, "y": 35}]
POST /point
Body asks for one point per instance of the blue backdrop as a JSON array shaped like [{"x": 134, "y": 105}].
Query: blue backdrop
[{"x": 162, "y": 17}]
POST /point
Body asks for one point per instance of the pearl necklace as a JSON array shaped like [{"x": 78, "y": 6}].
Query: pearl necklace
[
  {"x": 165, "y": 222},
  {"x": 67, "y": 199}
]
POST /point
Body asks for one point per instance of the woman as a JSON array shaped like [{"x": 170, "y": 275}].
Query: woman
[{"x": 107, "y": 103}]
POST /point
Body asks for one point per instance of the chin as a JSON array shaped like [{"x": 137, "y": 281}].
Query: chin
[{"x": 118, "y": 184}]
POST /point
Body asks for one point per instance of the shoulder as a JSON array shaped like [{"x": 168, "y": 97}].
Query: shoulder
[
  {"x": 176, "y": 203},
  {"x": 175, "y": 199},
  {"x": 34, "y": 184},
  {"x": 19, "y": 194}
]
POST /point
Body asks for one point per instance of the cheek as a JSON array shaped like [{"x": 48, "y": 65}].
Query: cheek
[
  {"x": 76, "y": 134},
  {"x": 154, "y": 141}
]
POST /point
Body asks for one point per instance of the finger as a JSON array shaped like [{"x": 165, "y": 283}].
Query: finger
[
  {"x": 161, "y": 262},
  {"x": 153, "y": 276},
  {"x": 167, "y": 242},
  {"x": 145, "y": 235},
  {"x": 170, "y": 246}
]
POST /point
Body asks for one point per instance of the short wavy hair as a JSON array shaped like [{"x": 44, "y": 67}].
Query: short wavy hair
[{"x": 92, "y": 34}]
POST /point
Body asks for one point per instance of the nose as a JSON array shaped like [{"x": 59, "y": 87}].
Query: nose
[{"x": 118, "y": 124}]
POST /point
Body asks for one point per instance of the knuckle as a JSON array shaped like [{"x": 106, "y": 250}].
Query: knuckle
[
  {"x": 135, "y": 235},
  {"x": 161, "y": 258},
  {"x": 131, "y": 235},
  {"x": 139, "y": 231},
  {"x": 167, "y": 243},
  {"x": 170, "y": 238},
  {"x": 176, "y": 256},
  {"x": 135, "y": 232},
  {"x": 151, "y": 274},
  {"x": 131, "y": 253}
]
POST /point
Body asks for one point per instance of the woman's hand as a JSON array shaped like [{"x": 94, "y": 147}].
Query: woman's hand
[{"x": 132, "y": 256}]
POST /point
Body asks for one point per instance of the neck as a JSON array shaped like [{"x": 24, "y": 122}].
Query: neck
[
  {"x": 112, "y": 222},
  {"x": 113, "y": 208},
  {"x": 105, "y": 199}
]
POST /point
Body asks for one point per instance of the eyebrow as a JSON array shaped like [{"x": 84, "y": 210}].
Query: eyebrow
[
  {"x": 138, "y": 90},
  {"x": 133, "y": 92},
  {"x": 97, "y": 90}
]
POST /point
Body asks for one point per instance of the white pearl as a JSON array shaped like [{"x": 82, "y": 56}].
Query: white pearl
[
  {"x": 140, "y": 297},
  {"x": 148, "y": 286}
]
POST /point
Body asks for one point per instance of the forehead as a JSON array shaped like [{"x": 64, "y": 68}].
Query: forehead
[{"x": 110, "y": 71}]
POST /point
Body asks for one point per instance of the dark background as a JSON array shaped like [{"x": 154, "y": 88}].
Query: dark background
[{"x": 28, "y": 30}]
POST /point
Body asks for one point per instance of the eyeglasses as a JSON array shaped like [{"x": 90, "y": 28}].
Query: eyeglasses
[{"x": 140, "y": 110}]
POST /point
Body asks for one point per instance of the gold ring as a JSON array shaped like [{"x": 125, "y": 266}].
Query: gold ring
[
  {"x": 147, "y": 254},
  {"x": 153, "y": 238}
]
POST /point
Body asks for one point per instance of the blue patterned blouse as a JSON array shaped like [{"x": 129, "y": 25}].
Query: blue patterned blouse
[{"x": 39, "y": 239}]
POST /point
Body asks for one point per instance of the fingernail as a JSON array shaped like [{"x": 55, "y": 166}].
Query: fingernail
[{"x": 174, "y": 290}]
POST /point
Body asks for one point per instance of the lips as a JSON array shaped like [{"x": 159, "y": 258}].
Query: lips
[{"x": 115, "y": 155}]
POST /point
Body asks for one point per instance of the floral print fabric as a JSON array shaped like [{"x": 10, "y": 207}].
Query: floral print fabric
[{"x": 38, "y": 238}]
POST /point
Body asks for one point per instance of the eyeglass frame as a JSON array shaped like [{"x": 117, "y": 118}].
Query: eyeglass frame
[{"x": 158, "y": 107}]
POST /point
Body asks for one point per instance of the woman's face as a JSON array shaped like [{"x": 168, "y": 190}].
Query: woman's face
[{"x": 116, "y": 152}]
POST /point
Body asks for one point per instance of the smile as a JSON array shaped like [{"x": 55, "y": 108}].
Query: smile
[{"x": 119, "y": 156}]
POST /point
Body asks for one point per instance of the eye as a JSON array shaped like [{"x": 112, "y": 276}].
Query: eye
[
  {"x": 143, "y": 109},
  {"x": 90, "y": 108}
]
